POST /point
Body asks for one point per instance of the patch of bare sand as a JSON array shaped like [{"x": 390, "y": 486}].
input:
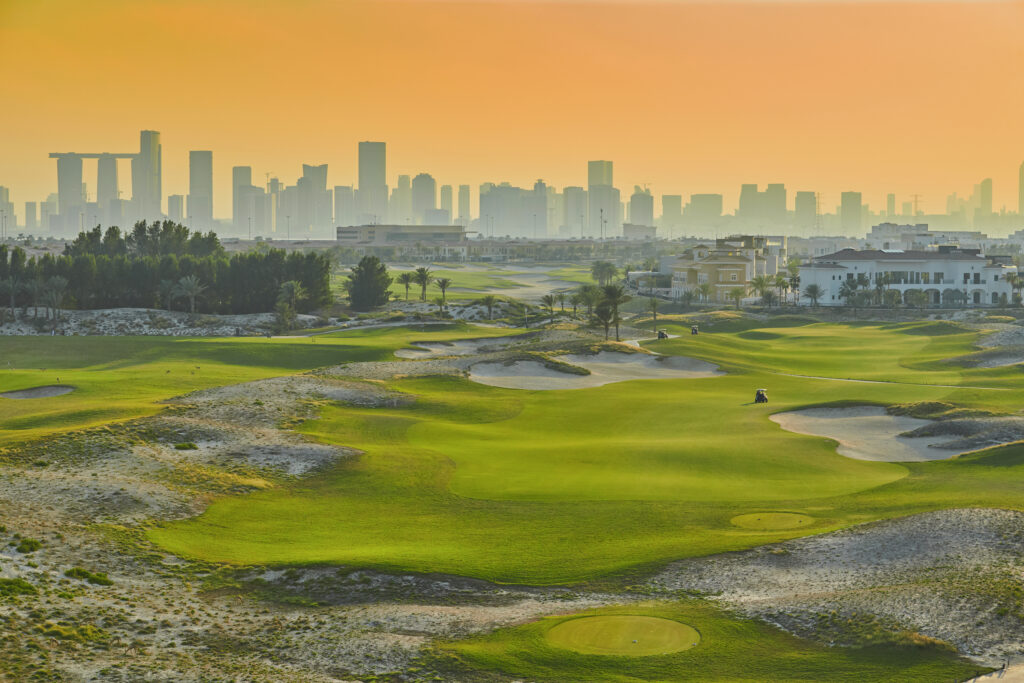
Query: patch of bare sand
[
  {"x": 605, "y": 367},
  {"x": 48, "y": 391},
  {"x": 867, "y": 433}
]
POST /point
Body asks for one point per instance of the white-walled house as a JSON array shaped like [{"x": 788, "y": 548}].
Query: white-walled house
[{"x": 948, "y": 276}]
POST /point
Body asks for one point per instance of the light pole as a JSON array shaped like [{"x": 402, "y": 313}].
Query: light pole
[
  {"x": 250, "y": 228},
  {"x": 289, "y": 221},
  {"x": 581, "y": 226}
]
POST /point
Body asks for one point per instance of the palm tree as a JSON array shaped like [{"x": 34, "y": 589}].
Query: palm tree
[
  {"x": 440, "y": 303},
  {"x": 705, "y": 290},
  {"x": 54, "y": 296},
  {"x": 489, "y": 302},
  {"x": 576, "y": 300},
  {"x": 687, "y": 297},
  {"x": 781, "y": 284},
  {"x": 651, "y": 264},
  {"x": 406, "y": 279},
  {"x": 591, "y": 295},
  {"x": 615, "y": 296},
  {"x": 769, "y": 297},
  {"x": 737, "y": 294},
  {"x": 166, "y": 291},
  {"x": 916, "y": 298},
  {"x": 814, "y": 292},
  {"x": 190, "y": 287},
  {"x": 291, "y": 293},
  {"x": 4, "y": 286},
  {"x": 848, "y": 291},
  {"x": 34, "y": 289},
  {"x": 761, "y": 283},
  {"x": 652, "y": 306},
  {"x": 422, "y": 277},
  {"x": 548, "y": 302},
  {"x": 604, "y": 272},
  {"x": 443, "y": 283},
  {"x": 605, "y": 315},
  {"x": 561, "y": 296},
  {"x": 14, "y": 285}
]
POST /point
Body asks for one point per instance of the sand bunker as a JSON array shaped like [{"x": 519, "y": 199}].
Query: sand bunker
[
  {"x": 462, "y": 347},
  {"x": 39, "y": 392},
  {"x": 867, "y": 433},
  {"x": 605, "y": 367}
]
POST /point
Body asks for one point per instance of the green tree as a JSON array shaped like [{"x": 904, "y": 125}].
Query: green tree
[
  {"x": 489, "y": 301},
  {"x": 652, "y": 306},
  {"x": 406, "y": 280},
  {"x": 423, "y": 278},
  {"x": 292, "y": 293},
  {"x": 443, "y": 283},
  {"x": 736, "y": 294},
  {"x": 604, "y": 272},
  {"x": 615, "y": 296},
  {"x": 368, "y": 284},
  {"x": 814, "y": 293},
  {"x": 605, "y": 315},
  {"x": 189, "y": 287},
  {"x": 591, "y": 296},
  {"x": 768, "y": 298},
  {"x": 705, "y": 290},
  {"x": 548, "y": 302}
]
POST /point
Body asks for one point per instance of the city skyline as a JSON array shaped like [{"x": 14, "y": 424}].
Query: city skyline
[{"x": 513, "y": 91}]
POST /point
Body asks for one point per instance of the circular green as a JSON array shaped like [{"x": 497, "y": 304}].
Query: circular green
[
  {"x": 623, "y": 635},
  {"x": 772, "y": 521}
]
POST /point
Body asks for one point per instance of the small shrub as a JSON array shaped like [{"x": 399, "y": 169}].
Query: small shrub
[
  {"x": 9, "y": 587},
  {"x": 28, "y": 545},
  {"x": 186, "y": 446},
  {"x": 97, "y": 579}
]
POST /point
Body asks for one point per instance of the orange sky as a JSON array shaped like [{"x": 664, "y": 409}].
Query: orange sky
[{"x": 910, "y": 96}]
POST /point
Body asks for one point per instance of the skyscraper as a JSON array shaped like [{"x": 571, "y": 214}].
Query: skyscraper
[
  {"x": 671, "y": 213},
  {"x": 176, "y": 208},
  {"x": 603, "y": 204},
  {"x": 147, "y": 188},
  {"x": 851, "y": 214},
  {"x": 890, "y": 205},
  {"x": 805, "y": 211},
  {"x": 446, "y": 200},
  {"x": 241, "y": 181},
  {"x": 344, "y": 206},
  {"x": 424, "y": 196},
  {"x": 200, "y": 189},
  {"x": 773, "y": 204},
  {"x": 464, "y": 217},
  {"x": 70, "y": 202},
  {"x": 576, "y": 211},
  {"x": 372, "y": 193},
  {"x": 641, "y": 207},
  {"x": 31, "y": 222},
  {"x": 106, "y": 185}
]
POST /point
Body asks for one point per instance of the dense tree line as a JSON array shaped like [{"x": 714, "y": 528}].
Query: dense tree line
[{"x": 161, "y": 265}]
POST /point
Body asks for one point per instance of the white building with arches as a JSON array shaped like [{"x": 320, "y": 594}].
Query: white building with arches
[{"x": 949, "y": 276}]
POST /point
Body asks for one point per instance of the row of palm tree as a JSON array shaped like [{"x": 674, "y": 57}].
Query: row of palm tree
[
  {"x": 423, "y": 277},
  {"x": 47, "y": 293}
]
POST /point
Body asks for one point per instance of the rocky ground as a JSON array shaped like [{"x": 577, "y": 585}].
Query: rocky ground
[
  {"x": 83, "y": 597},
  {"x": 146, "y": 321}
]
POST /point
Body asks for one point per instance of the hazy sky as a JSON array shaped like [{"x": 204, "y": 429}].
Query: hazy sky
[{"x": 911, "y": 96}]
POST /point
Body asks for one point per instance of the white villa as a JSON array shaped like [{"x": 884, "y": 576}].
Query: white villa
[{"x": 948, "y": 276}]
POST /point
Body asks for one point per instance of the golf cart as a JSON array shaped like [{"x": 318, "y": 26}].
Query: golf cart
[
  {"x": 761, "y": 396},
  {"x": 693, "y": 330},
  {"x": 662, "y": 334}
]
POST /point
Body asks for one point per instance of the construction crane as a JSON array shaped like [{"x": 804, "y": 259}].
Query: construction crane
[{"x": 917, "y": 203}]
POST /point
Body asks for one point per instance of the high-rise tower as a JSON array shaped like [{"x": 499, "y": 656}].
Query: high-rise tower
[
  {"x": 200, "y": 190},
  {"x": 372, "y": 193},
  {"x": 147, "y": 188}
]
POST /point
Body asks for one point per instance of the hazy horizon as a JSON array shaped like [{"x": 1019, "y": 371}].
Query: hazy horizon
[{"x": 685, "y": 97}]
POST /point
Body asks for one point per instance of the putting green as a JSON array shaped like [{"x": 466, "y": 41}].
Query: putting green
[
  {"x": 772, "y": 521},
  {"x": 629, "y": 635}
]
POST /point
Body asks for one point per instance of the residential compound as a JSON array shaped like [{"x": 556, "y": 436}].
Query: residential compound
[
  {"x": 948, "y": 275},
  {"x": 732, "y": 262}
]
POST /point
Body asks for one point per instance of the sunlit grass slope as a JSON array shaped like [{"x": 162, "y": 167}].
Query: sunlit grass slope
[
  {"x": 548, "y": 487},
  {"x": 118, "y": 378}
]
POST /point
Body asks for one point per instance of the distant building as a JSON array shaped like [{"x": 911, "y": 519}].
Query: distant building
[
  {"x": 639, "y": 233},
  {"x": 394, "y": 235},
  {"x": 424, "y": 196},
  {"x": 200, "y": 189},
  {"x": 851, "y": 213},
  {"x": 176, "y": 208},
  {"x": 641, "y": 207},
  {"x": 948, "y": 276},
  {"x": 732, "y": 262},
  {"x": 372, "y": 193},
  {"x": 464, "y": 203},
  {"x": 805, "y": 211},
  {"x": 604, "y": 206}
]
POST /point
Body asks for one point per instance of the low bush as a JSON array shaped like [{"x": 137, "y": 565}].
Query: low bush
[
  {"x": 28, "y": 545},
  {"x": 186, "y": 446},
  {"x": 97, "y": 578}
]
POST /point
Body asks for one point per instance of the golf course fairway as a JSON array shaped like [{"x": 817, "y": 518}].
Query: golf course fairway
[{"x": 550, "y": 487}]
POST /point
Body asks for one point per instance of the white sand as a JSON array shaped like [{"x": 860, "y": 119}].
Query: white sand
[
  {"x": 462, "y": 347},
  {"x": 866, "y": 433},
  {"x": 39, "y": 392},
  {"x": 605, "y": 367}
]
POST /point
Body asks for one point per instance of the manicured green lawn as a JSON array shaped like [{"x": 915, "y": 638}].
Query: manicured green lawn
[
  {"x": 119, "y": 378},
  {"x": 566, "y": 486},
  {"x": 730, "y": 649}
]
